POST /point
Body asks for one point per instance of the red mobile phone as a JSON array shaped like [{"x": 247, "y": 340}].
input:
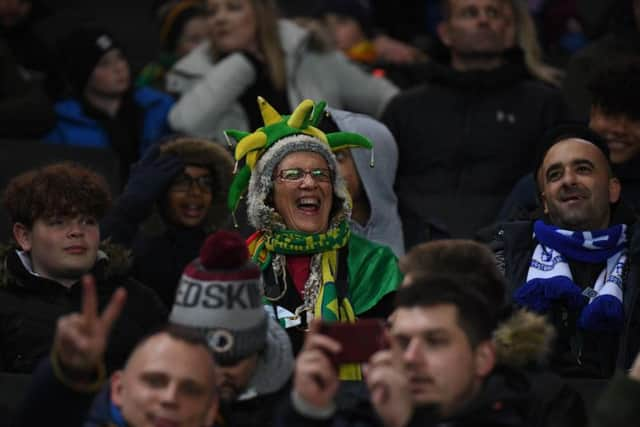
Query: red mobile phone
[{"x": 359, "y": 340}]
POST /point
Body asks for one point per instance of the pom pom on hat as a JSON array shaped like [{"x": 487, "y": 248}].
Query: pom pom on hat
[{"x": 224, "y": 250}]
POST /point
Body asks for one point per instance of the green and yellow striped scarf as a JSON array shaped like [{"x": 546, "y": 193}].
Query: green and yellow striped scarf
[{"x": 262, "y": 245}]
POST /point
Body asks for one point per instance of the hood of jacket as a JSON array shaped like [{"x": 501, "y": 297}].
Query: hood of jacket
[
  {"x": 512, "y": 71},
  {"x": 384, "y": 225},
  {"x": 275, "y": 363},
  {"x": 523, "y": 340}
]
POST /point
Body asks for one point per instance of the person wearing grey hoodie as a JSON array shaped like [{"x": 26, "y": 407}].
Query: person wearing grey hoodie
[{"x": 375, "y": 205}]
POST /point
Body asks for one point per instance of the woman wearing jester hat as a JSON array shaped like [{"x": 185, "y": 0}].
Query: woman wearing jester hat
[{"x": 314, "y": 267}]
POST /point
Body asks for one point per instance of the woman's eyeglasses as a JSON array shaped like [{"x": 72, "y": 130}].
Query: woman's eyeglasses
[
  {"x": 184, "y": 183},
  {"x": 298, "y": 174}
]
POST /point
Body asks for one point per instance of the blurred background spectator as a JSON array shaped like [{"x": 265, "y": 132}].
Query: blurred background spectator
[{"x": 183, "y": 26}]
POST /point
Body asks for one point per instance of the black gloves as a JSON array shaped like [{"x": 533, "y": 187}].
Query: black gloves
[{"x": 150, "y": 177}]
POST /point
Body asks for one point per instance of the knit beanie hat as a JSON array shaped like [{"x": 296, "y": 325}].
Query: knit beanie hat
[
  {"x": 358, "y": 10},
  {"x": 81, "y": 51},
  {"x": 265, "y": 148},
  {"x": 220, "y": 292},
  {"x": 173, "y": 18}
]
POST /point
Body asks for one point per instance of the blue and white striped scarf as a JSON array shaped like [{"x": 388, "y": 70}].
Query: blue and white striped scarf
[{"x": 549, "y": 277}]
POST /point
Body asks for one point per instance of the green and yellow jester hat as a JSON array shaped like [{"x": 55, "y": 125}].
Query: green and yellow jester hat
[{"x": 261, "y": 152}]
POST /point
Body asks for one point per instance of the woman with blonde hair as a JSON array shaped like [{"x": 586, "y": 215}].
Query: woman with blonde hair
[
  {"x": 521, "y": 32},
  {"x": 251, "y": 53}
]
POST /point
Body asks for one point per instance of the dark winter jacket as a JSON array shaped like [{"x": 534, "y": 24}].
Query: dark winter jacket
[
  {"x": 584, "y": 354},
  {"x": 160, "y": 259},
  {"x": 48, "y": 401},
  {"x": 25, "y": 110},
  {"x": 509, "y": 398},
  {"x": 464, "y": 139},
  {"x": 619, "y": 405},
  {"x": 31, "y": 305},
  {"x": 255, "y": 412}
]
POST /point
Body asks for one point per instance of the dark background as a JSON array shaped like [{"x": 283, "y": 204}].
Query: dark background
[{"x": 130, "y": 21}]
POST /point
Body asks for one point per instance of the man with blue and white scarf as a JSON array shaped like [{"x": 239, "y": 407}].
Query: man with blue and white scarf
[{"x": 574, "y": 262}]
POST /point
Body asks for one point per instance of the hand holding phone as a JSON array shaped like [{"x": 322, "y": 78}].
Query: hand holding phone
[{"x": 359, "y": 340}]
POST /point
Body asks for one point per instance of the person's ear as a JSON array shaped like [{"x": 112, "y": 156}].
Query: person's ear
[
  {"x": 116, "y": 388},
  {"x": 543, "y": 199},
  {"x": 22, "y": 235},
  {"x": 444, "y": 34},
  {"x": 485, "y": 358},
  {"x": 614, "y": 190}
]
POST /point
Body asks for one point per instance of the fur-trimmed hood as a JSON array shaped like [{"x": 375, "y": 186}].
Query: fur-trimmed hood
[
  {"x": 217, "y": 159},
  {"x": 523, "y": 339},
  {"x": 113, "y": 261}
]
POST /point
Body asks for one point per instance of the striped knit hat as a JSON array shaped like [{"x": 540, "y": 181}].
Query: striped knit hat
[{"x": 220, "y": 292}]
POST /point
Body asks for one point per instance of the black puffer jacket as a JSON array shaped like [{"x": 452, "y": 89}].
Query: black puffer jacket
[
  {"x": 509, "y": 398},
  {"x": 600, "y": 353},
  {"x": 464, "y": 139},
  {"x": 31, "y": 305}
]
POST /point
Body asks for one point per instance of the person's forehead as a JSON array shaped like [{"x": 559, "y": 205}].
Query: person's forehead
[
  {"x": 112, "y": 53},
  {"x": 601, "y": 117},
  {"x": 66, "y": 214},
  {"x": 571, "y": 149},
  {"x": 303, "y": 158},
  {"x": 478, "y": 3},
  {"x": 162, "y": 353},
  {"x": 422, "y": 319},
  {"x": 196, "y": 171}
]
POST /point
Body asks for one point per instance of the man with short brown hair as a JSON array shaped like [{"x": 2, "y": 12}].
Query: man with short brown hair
[{"x": 466, "y": 136}]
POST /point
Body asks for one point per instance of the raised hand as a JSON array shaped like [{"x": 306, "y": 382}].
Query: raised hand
[
  {"x": 150, "y": 177},
  {"x": 81, "y": 338},
  {"x": 316, "y": 378},
  {"x": 635, "y": 369},
  {"x": 389, "y": 388}
]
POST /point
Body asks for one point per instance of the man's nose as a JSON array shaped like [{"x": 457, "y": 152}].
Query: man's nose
[
  {"x": 169, "y": 395},
  {"x": 483, "y": 17},
  {"x": 569, "y": 178},
  {"x": 413, "y": 354},
  {"x": 76, "y": 228}
]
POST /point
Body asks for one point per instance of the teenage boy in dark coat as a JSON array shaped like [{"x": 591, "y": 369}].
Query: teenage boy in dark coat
[{"x": 54, "y": 213}]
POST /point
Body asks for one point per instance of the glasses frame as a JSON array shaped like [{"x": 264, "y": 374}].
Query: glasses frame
[
  {"x": 305, "y": 172},
  {"x": 197, "y": 181}
]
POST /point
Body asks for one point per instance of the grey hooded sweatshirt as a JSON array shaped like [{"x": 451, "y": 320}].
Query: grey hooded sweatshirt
[{"x": 384, "y": 224}]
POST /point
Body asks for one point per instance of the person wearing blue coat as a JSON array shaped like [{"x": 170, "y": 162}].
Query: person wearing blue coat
[
  {"x": 105, "y": 111},
  {"x": 75, "y": 127}
]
